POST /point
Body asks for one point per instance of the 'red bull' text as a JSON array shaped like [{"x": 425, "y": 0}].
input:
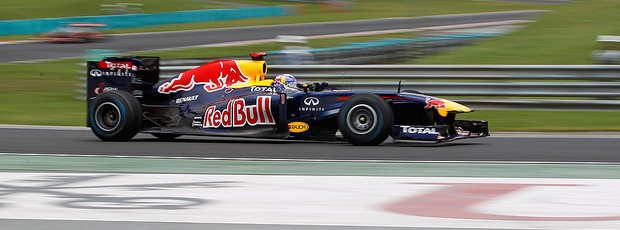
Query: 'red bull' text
[{"x": 238, "y": 114}]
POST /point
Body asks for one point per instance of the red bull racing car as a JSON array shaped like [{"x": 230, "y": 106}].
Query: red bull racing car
[
  {"x": 75, "y": 33},
  {"x": 232, "y": 98}
]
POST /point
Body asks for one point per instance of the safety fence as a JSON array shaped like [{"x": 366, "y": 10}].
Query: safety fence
[{"x": 36, "y": 26}]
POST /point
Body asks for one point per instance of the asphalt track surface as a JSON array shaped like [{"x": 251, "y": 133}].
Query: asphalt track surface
[
  {"x": 30, "y": 51},
  {"x": 502, "y": 148}
]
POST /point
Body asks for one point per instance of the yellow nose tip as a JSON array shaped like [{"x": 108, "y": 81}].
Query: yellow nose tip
[{"x": 451, "y": 106}]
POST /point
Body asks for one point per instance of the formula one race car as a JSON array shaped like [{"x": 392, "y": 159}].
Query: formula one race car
[
  {"x": 233, "y": 98},
  {"x": 75, "y": 33}
]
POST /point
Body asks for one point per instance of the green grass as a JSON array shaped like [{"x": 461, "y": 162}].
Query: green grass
[
  {"x": 563, "y": 36},
  {"x": 40, "y": 94},
  {"x": 25, "y": 9},
  {"x": 557, "y": 121}
]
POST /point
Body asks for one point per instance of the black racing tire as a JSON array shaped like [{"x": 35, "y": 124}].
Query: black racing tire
[
  {"x": 365, "y": 119},
  {"x": 166, "y": 136},
  {"x": 115, "y": 116}
]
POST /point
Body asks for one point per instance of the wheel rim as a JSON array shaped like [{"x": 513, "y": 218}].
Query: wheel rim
[
  {"x": 361, "y": 119},
  {"x": 108, "y": 116}
]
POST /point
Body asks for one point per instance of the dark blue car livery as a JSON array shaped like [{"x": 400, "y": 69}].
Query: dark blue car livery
[{"x": 232, "y": 98}]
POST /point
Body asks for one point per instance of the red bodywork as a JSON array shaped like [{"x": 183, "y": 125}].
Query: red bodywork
[{"x": 434, "y": 103}]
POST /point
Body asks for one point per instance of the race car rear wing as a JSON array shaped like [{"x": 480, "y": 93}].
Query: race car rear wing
[{"x": 131, "y": 74}]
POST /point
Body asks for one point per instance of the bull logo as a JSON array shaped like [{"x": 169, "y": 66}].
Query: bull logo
[
  {"x": 434, "y": 103},
  {"x": 214, "y": 76}
]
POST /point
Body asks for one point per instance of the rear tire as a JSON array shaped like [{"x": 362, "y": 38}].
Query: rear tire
[
  {"x": 115, "y": 116},
  {"x": 365, "y": 119}
]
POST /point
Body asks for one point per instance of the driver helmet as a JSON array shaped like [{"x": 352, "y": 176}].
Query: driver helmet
[{"x": 284, "y": 81}]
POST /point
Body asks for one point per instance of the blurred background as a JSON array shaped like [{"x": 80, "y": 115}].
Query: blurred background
[
  {"x": 544, "y": 73},
  {"x": 525, "y": 65}
]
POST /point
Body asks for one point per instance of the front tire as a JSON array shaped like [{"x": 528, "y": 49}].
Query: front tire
[
  {"x": 365, "y": 119},
  {"x": 115, "y": 116}
]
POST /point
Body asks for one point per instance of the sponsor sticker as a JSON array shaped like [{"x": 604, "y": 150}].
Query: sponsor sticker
[
  {"x": 311, "y": 105},
  {"x": 263, "y": 89},
  {"x": 113, "y": 65},
  {"x": 110, "y": 73},
  {"x": 101, "y": 88},
  {"x": 298, "y": 127},
  {"x": 311, "y": 101},
  {"x": 434, "y": 103},
  {"x": 238, "y": 114},
  {"x": 415, "y": 130},
  {"x": 197, "y": 122},
  {"x": 186, "y": 99},
  {"x": 96, "y": 73}
]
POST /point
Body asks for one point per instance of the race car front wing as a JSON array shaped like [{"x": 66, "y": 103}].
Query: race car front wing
[{"x": 461, "y": 129}]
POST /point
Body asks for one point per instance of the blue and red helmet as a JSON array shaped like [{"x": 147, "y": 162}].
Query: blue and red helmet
[{"x": 284, "y": 81}]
